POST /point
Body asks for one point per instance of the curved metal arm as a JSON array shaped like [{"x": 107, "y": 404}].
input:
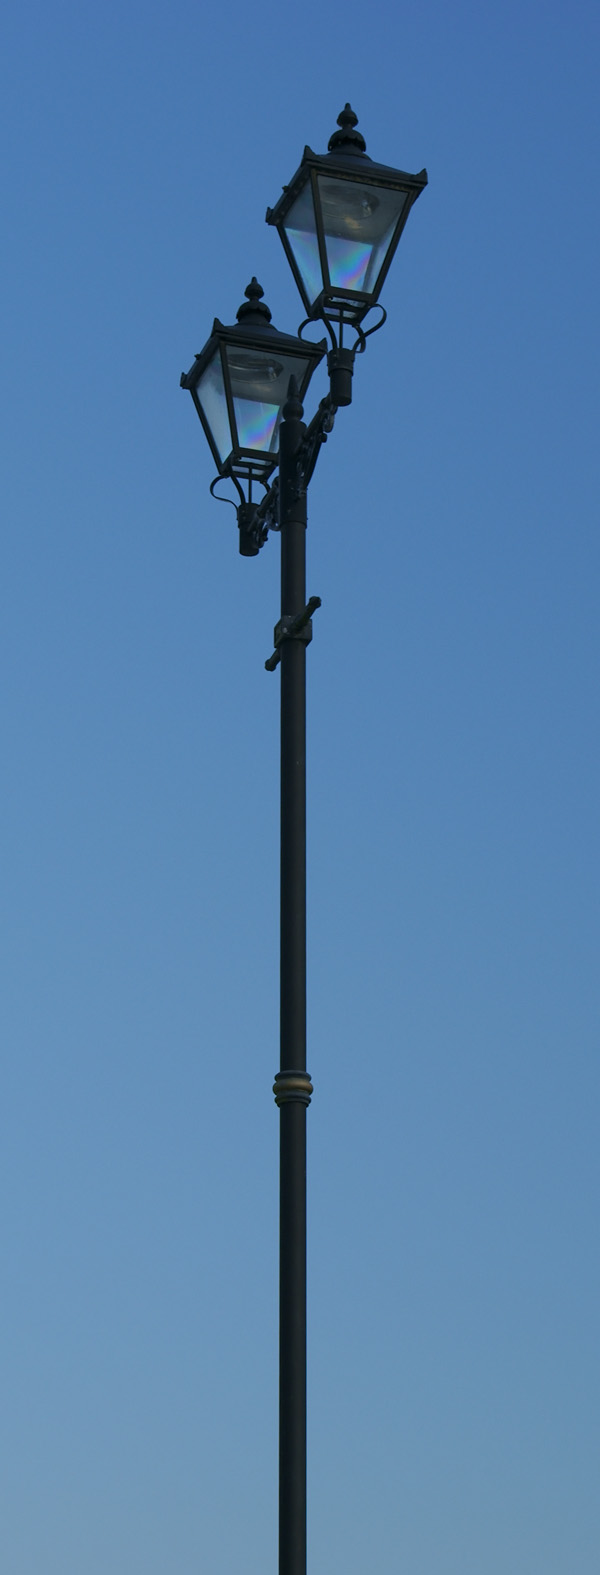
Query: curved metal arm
[
  {"x": 218, "y": 499},
  {"x": 342, "y": 321},
  {"x": 328, "y": 326},
  {"x": 362, "y": 336}
]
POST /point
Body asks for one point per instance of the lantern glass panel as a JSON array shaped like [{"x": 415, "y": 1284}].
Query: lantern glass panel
[
  {"x": 259, "y": 386},
  {"x": 210, "y": 393},
  {"x": 301, "y": 230},
  {"x": 359, "y": 223}
]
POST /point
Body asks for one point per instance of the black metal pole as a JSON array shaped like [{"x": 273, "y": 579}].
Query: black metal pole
[{"x": 292, "y": 1084}]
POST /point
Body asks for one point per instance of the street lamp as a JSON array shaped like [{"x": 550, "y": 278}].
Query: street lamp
[
  {"x": 340, "y": 220},
  {"x": 239, "y": 384}
]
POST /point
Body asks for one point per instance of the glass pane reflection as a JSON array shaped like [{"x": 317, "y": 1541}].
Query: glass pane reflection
[
  {"x": 210, "y": 392},
  {"x": 301, "y": 230},
  {"x": 256, "y": 424},
  {"x": 259, "y": 385},
  {"x": 359, "y": 223}
]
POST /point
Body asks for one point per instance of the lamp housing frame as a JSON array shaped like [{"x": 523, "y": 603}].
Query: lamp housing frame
[
  {"x": 347, "y": 160},
  {"x": 253, "y": 330}
]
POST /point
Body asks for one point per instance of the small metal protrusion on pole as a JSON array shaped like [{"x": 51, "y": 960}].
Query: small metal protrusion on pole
[
  {"x": 299, "y": 628},
  {"x": 273, "y": 662}
]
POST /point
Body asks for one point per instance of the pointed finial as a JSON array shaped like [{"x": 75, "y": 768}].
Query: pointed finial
[
  {"x": 293, "y": 408},
  {"x": 347, "y": 138},
  {"x": 253, "y": 303},
  {"x": 347, "y": 116}
]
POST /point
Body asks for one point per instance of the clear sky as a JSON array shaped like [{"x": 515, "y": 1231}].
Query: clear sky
[{"x": 453, "y": 787}]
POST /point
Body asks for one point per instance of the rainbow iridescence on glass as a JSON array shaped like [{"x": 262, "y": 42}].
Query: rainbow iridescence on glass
[
  {"x": 348, "y": 263},
  {"x": 359, "y": 223},
  {"x": 257, "y": 424},
  {"x": 259, "y": 386}
]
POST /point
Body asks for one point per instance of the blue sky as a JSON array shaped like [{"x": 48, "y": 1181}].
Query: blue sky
[{"x": 453, "y": 784}]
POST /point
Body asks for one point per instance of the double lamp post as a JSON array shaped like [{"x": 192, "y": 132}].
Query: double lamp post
[{"x": 340, "y": 220}]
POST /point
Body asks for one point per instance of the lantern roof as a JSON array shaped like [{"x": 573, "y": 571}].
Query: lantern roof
[
  {"x": 347, "y": 158},
  {"x": 253, "y": 324}
]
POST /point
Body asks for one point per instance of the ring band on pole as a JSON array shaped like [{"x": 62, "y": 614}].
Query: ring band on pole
[{"x": 292, "y": 1086}]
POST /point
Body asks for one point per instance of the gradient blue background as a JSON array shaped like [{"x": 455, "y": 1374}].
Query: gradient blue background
[{"x": 453, "y": 783}]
